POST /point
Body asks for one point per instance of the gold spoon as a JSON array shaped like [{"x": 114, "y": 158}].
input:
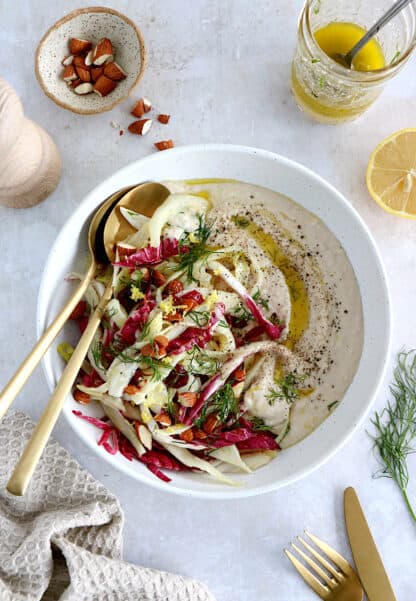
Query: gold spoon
[
  {"x": 17, "y": 381},
  {"x": 346, "y": 60},
  {"x": 145, "y": 199}
]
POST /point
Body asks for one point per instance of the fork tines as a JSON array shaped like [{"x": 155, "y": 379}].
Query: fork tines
[{"x": 323, "y": 576}]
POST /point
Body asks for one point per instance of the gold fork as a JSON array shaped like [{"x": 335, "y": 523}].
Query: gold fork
[{"x": 334, "y": 581}]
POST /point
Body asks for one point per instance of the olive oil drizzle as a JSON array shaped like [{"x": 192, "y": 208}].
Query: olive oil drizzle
[{"x": 299, "y": 317}]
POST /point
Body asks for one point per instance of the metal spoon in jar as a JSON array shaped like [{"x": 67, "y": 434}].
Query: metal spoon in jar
[
  {"x": 347, "y": 59},
  {"x": 104, "y": 233}
]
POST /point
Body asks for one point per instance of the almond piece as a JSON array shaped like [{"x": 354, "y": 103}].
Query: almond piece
[
  {"x": 84, "y": 88},
  {"x": 69, "y": 73},
  {"x": 83, "y": 73},
  {"x": 89, "y": 58},
  {"x": 79, "y": 61},
  {"x": 104, "y": 85},
  {"x": 138, "y": 109},
  {"x": 82, "y": 397},
  {"x": 163, "y": 418},
  {"x": 164, "y": 144},
  {"x": 114, "y": 71},
  {"x": 96, "y": 73},
  {"x": 187, "y": 436},
  {"x": 79, "y": 46},
  {"x": 103, "y": 51},
  {"x": 140, "y": 127},
  {"x": 67, "y": 60},
  {"x": 147, "y": 105},
  {"x": 163, "y": 119},
  {"x": 74, "y": 83},
  {"x": 187, "y": 399}
]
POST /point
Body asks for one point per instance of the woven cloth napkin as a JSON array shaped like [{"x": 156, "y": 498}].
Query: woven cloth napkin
[{"x": 66, "y": 508}]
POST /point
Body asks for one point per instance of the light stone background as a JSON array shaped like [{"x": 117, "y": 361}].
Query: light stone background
[{"x": 221, "y": 68}]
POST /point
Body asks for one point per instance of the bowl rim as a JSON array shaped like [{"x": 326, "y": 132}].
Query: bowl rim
[
  {"x": 69, "y": 17},
  {"x": 105, "y": 188}
]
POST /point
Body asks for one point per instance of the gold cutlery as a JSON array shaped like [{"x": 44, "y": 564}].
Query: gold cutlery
[
  {"x": 106, "y": 229},
  {"x": 366, "y": 556},
  {"x": 333, "y": 580},
  {"x": 18, "y": 380}
]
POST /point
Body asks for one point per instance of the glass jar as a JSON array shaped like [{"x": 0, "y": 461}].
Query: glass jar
[{"x": 329, "y": 92}]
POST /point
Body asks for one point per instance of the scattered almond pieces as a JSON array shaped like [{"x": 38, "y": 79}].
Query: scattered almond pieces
[
  {"x": 140, "y": 127},
  {"x": 164, "y": 144},
  {"x": 163, "y": 119},
  {"x": 88, "y": 69}
]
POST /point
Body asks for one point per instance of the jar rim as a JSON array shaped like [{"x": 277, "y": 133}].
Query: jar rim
[{"x": 347, "y": 74}]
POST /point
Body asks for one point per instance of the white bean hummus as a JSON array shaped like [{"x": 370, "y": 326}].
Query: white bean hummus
[{"x": 304, "y": 281}]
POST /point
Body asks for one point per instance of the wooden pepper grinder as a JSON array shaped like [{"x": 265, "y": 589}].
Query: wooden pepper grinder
[{"x": 30, "y": 163}]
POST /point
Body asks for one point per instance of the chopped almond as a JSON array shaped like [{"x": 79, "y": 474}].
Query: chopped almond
[
  {"x": 79, "y": 46},
  {"x": 114, "y": 71},
  {"x": 140, "y": 127},
  {"x": 131, "y": 389},
  {"x": 164, "y": 144},
  {"x": 187, "y": 399},
  {"x": 161, "y": 341},
  {"x": 210, "y": 423},
  {"x": 79, "y": 61},
  {"x": 199, "y": 434},
  {"x": 148, "y": 350},
  {"x": 147, "y": 105},
  {"x": 187, "y": 436},
  {"x": 174, "y": 286},
  {"x": 158, "y": 278},
  {"x": 84, "y": 88},
  {"x": 70, "y": 73},
  {"x": 138, "y": 109},
  {"x": 104, "y": 85},
  {"x": 82, "y": 397},
  {"x": 96, "y": 73},
  {"x": 163, "y": 119},
  {"x": 164, "y": 419},
  {"x": 239, "y": 374},
  {"x": 103, "y": 52},
  {"x": 83, "y": 73}
]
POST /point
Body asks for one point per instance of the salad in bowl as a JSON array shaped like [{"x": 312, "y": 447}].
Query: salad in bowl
[{"x": 206, "y": 356}]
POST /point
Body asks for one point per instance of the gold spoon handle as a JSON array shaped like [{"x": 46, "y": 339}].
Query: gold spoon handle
[
  {"x": 27, "y": 463},
  {"x": 18, "y": 380}
]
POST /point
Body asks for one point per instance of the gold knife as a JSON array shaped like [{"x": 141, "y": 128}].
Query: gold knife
[{"x": 367, "y": 559}]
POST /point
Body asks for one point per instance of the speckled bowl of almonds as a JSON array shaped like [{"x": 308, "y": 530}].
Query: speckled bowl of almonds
[{"x": 90, "y": 60}]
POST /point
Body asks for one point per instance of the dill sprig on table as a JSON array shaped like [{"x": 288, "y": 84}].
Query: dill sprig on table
[{"x": 395, "y": 426}]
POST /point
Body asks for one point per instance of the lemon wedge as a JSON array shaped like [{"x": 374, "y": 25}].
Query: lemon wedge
[{"x": 391, "y": 174}]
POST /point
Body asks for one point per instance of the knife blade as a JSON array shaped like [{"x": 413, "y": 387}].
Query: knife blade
[{"x": 367, "y": 559}]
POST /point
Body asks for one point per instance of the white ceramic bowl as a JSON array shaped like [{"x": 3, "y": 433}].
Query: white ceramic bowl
[
  {"x": 90, "y": 24},
  {"x": 280, "y": 174}
]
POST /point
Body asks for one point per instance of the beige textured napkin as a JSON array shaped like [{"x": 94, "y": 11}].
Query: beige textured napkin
[{"x": 65, "y": 507}]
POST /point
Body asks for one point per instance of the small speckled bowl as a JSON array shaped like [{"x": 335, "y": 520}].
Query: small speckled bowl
[{"x": 90, "y": 24}]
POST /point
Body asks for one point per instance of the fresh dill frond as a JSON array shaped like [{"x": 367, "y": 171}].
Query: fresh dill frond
[
  {"x": 224, "y": 402},
  {"x": 156, "y": 365},
  {"x": 287, "y": 388},
  {"x": 260, "y": 300},
  {"x": 199, "y": 362},
  {"x": 258, "y": 424},
  {"x": 96, "y": 351},
  {"x": 201, "y": 318},
  {"x": 395, "y": 437},
  {"x": 241, "y": 313},
  {"x": 195, "y": 250}
]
